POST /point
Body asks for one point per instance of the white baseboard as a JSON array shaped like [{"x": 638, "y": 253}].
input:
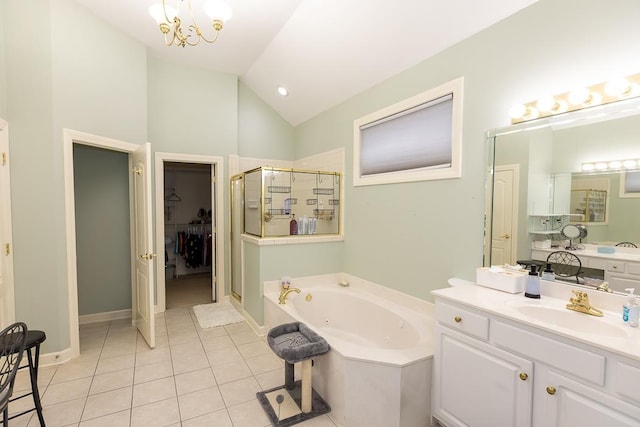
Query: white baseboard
[
  {"x": 56, "y": 358},
  {"x": 104, "y": 317}
]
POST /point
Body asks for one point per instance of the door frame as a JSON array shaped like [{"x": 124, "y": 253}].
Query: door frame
[
  {"x": 70, "y": 137},
  {"x": 8, "y": 292},
  {"x": 217, "y": 201}
]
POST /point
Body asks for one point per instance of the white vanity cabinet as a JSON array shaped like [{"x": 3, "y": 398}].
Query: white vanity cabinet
[
  {"x": 490, "y": 370},
  {"x": 477, "y": 384}
]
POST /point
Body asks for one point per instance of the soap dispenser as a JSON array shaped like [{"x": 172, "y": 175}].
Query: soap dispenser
[
  {"x": 532, "y": 288},
  {"x": 548, "y": 274},
  {"x": 630, "y": 309}
]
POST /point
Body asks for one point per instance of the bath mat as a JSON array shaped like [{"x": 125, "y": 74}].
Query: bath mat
[
  {"x": 287, "y": 412},
  {"x": 217, "y": 314}
]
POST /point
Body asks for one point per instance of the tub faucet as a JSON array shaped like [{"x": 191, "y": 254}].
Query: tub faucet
[
  {"x": 285, "y": 290},
  {"x": 580, "y": 302}
]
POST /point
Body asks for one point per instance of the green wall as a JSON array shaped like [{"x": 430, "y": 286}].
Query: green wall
[
  {"x": 86, "y": 75},
  {"x": 263, "y": 134},
  {"x": 430, "y": 231},
  {"x": 102, "y": 229},
  {"x": 271, "y": 262}
]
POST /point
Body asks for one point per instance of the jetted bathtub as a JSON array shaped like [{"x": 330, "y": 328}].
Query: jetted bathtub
[{"x": 378, "y": 372}]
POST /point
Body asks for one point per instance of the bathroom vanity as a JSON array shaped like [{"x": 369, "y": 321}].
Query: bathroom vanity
[{"x": 505, "y": 360}]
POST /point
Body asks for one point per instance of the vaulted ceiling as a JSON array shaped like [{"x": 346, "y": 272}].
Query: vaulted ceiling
[{"x": 322, "y": 51}]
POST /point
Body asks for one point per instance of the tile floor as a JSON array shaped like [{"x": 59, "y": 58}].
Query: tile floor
[{"x": 194, "y": 377}]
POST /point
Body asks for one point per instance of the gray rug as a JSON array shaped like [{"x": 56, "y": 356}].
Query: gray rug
[{"x": 217, "y": 314}]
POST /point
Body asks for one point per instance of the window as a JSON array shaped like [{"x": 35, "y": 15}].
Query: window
[
  {"x": 416, "y": 139},
  {"x": 630, "y": 184}
]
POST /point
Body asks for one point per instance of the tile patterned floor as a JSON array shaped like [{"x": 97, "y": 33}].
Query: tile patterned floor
[{"x": 194, "y": 377}]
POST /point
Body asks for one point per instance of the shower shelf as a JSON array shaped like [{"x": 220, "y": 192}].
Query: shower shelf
[
  {"x": 323, "y": 191},
  {"x": 312, "y": 201},
  {"x": 278, "y": 189}
]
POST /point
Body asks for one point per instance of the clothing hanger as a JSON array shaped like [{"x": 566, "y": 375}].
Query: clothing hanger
[{"x": 173, "y": 197}]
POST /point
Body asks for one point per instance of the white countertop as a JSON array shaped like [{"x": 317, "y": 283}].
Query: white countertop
[
  {"x": 620, "y": 254},
  {"x": 556, "y": 296}
]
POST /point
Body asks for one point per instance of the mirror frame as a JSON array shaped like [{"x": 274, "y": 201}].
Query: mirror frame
[{"x": 586, "y": 116}]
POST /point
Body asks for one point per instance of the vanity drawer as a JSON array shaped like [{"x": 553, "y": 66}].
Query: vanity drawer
[
  {"x": 462, "y": 320},
  {"x": 626, "y": 381},
  {"x": 633, "y": 268},
  {"x": 615, "y": 266},
  {"x": 576, "y": 361}
]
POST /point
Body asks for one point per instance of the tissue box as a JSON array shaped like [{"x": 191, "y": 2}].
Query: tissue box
[
  {"x": 506, "y": 281},
  {"x": 542, "y": 244}
]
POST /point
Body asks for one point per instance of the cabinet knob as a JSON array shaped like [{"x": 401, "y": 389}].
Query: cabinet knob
[
  {"x": 523, "y": 376},
  {"x": 615, "y": 266},
  {"x": 551, "y": 390},
  {"x": 458, "y": 319}
]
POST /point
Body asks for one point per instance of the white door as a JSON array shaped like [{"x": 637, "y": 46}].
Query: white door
[
  {"x": 504, "y": 227},
  {"x": 142, "y": 299},
  {"x": 7, "y": 309}
]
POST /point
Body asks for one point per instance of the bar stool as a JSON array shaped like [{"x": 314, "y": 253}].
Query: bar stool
[{"x": 34, "y": 339}]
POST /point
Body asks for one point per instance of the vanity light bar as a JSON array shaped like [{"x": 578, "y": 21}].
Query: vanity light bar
[
  {"x": 611, "y": 165},
  {"x": 579, "y": 98}
]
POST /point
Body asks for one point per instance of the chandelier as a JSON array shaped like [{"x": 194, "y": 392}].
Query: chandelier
[{"x": 170, "y": 21}]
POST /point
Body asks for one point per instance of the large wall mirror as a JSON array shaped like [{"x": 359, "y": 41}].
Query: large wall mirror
[{"x": 537, "y": 186}]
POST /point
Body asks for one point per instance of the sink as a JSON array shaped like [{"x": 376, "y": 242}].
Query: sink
[{"x": 572, "y": 320}]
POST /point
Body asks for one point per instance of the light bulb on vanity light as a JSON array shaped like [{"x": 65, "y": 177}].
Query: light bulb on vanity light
[
  {"x": 520, "y": 111},
  {"x": 615, "y": 164},
  {"x": 619, "y": 87},
  {"x": 583, "y": 97},
  {"x": 601, "y": 166},
  {"x": 588, "y": 167},
  {"x": 551, "y": 105},
  {"x": 629, "y": 164}
]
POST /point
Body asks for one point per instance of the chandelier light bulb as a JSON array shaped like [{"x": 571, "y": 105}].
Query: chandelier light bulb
[
  {"x": 158, "y": 13},
  {"x": 218, "y": 10}
]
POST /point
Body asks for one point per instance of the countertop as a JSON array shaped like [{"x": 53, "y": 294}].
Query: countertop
[{"x": 556, "y": 296}]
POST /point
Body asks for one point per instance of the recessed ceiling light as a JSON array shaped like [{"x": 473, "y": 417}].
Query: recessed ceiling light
[{"x": 283, "y": 91}]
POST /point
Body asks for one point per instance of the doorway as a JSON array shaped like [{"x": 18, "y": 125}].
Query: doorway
[
  {"x": 188, "y": 239},
  {"x": 504, "y": 230},
  {"x": 188, "y": 234},
  {"x": 141, "y": 257}
]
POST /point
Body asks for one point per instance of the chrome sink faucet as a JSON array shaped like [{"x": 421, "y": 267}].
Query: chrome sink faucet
[
  {"x": 285, "y": 290},
  {"x": 580, "y": 302}
]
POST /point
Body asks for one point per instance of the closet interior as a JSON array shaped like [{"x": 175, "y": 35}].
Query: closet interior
[{"x": 189, "y": 253}]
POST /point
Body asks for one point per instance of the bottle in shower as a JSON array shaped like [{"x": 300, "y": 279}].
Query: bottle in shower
[{"x": 293, "y": 225}]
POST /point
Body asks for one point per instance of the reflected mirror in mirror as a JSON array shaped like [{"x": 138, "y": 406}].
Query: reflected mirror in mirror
[{"x": 537, "y": 187}]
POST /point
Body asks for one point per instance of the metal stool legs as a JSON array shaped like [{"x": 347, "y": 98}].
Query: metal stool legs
[{"x": 33, "y": 375}]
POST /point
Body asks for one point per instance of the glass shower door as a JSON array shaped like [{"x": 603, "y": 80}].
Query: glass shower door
[{"x": 237, "y": 228}]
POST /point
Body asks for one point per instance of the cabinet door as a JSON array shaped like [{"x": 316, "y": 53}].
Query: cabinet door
[
  {"x": 567, "y": 403},
  {"x": 479, "y": 385},
  {"x": 619, "y": 282}
]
